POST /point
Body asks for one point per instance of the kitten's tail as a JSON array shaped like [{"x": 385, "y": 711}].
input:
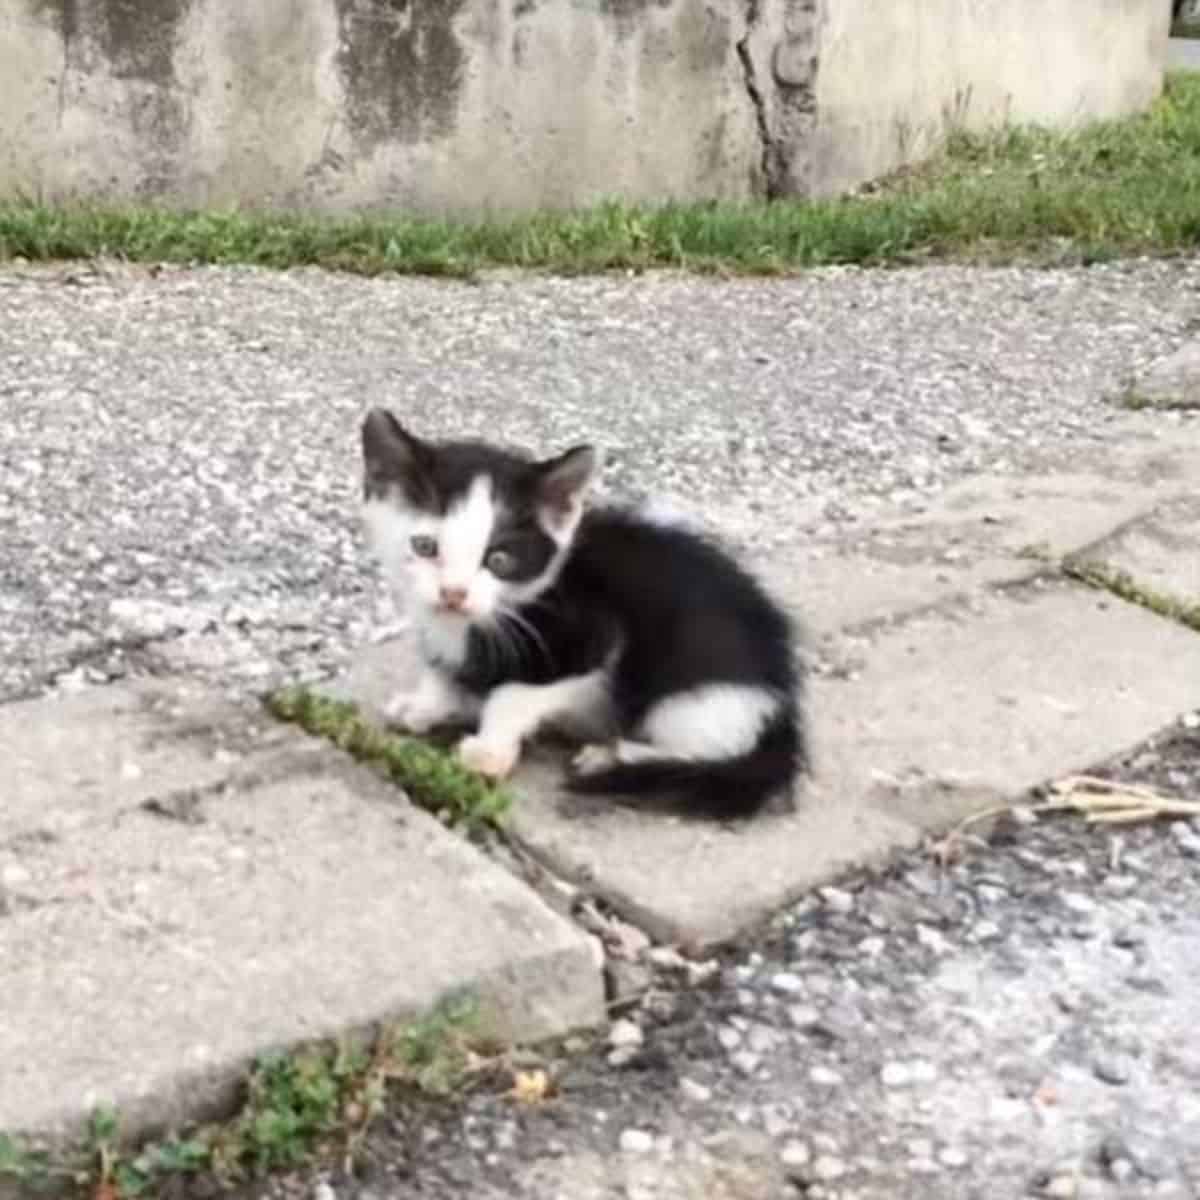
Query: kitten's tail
[{"x": 720, "y": 789}]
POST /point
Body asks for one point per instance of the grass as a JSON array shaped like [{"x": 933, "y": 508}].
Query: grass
[
  {"x": 1136, "y": 401},
  {"x": 432, "y": 777},
  {"x": 1114, "y": 188},
  {"x": 316, "y": 1102},
  {"x": 1122, "y": 585}
]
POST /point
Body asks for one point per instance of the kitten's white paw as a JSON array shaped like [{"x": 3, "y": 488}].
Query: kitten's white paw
[
  {"x": 595, "y": 758},
  {"x": 493, "y": 760},
  {"x": 412, "y": 712}
]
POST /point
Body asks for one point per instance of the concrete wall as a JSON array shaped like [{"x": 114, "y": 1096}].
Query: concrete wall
[
  {"x": 485, "y": 105},
  {"x": 440, "y": 105},
  {"x": 894, "y": 75}
]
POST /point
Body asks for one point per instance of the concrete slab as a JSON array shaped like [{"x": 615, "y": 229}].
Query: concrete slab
[
  {"x": 1160, "y": 551},
  {"x": 193, "y": 909},
  {"x": 937, "y": 716},
  {"x": 985, "y": 531},
  {"x": 1171, "y": 383}
]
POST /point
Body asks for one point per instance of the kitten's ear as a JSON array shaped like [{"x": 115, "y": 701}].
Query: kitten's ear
[
  {"x": 563, "y": 482},
  {"x": 394, "y": 457}
]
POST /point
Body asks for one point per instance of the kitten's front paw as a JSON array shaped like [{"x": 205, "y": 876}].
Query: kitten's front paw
[
  {"x": 495, "y": 761},
  {"x": 412, "y": 713},
  {"x": 593, "y": 759}
]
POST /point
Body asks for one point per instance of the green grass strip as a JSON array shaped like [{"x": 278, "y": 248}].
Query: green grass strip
[
  {"x": 1109, "y": 189},
  {"x": 432, "y": 777},
  {"x": 1123, "y": 585}
]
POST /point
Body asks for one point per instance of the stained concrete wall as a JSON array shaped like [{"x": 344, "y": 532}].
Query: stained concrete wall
[
  {"x": 478, "y": 105},
  {"x": 894, "y": 76}
]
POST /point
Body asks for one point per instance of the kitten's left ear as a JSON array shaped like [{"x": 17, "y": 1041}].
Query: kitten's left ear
[{"x": 563, "y": 481}]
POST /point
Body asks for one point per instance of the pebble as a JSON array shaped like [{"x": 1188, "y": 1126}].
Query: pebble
[
  {"x": 697, "y": 1093},
  {"x": 953, "y": 1157},
  {"x": 729, "y": 1037},
  {"x": 803, "y": 1016},
  {"x": 1061, "y": 1187},
  {"x": 827, "y": 1167},
  {"x": 837, "y": 900},
  {"x": 786, "y": 983},
  {"x": 745, "y": 1061},
  {"x": 1186, "y": 838},
  {"x": 825, "y": 1077},
  {"x": 795, "y": 1154},
  {"x": 324, "y": 1192},
  {"x": 625, "y": 1034},
  {"x": 636, "y": 1141},
  {"x": 1111, "y": 1069}
]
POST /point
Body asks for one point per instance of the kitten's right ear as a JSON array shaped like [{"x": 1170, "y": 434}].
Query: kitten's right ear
[{"x": 393, "y": 457}]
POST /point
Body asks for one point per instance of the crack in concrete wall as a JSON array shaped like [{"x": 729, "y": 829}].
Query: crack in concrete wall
[
  {"x": 779, "y": 63},
  {"x": 769, "y": 178}
]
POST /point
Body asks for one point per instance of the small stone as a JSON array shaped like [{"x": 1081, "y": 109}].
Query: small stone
[
  {"x": 895, "y": 1075},
  {"x": 1127, "y": 938},
  {"x": 786, "y": 983},
  {"x": 837, "y": 900},
  {"x": 824, "y": 1077},
  {"x": 1111, "y": 1069},
  {"x": 1120, "y": 885},
  {"x": 729, "y": 1037},
  {"x": 745, "y": 1062},
  {"x": 920, "y": 1148},
  {"x": 795, "y": 1154},
  {"x": 1079, "y": 903},
  {"x": 625, "y": 1034},
  {"x": 697, "y": 1093},
  {"x": 323, "y": 1191},
  {"x": 1121, "y": 1170},
  {"x": 827, "y": 1167},
  {"x": 1186, "y": 838},
  {"x": 1061, "y": 1187},
  {"x": 762, "y": 1039},
  {"x": 636, "y": 1141},
  {"x": 803, "y": 1016},
  {"x": 1191, "y": 720},
  {"x": 953, "y": 1157},
  {"x": 932, "y": 940},
  {"x": 777, "y": 1119},
  {"x": 986, "y": 931}
]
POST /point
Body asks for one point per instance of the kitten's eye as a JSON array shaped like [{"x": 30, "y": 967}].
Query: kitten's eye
[
  {"x": 502, "y": 563},
  {"x": 424, "y": 546}
]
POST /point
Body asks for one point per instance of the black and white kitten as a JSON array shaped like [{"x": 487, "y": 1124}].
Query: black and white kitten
[{"x": 640, "y": 638}]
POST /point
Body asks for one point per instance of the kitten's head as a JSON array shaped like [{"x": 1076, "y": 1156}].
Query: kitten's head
[{"x": 471, "y": 529}]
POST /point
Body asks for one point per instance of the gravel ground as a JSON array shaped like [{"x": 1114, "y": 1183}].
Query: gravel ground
[
  {"x": 178, "y": 467},
  {"x": 178, "y": 482},
  {"x": 1020, "y": 1022}
]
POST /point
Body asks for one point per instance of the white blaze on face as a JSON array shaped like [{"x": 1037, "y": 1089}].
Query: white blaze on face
[{"x": 462, "y": 537}]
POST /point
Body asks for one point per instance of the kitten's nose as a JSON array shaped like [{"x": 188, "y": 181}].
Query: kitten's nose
[{"x": 453, "y": 597}]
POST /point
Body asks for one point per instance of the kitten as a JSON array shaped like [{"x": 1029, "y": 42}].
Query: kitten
[{"x": 639, "y": 637}]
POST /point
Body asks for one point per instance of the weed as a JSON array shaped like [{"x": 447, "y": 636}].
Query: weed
[
  {"x": 1121, "y": 584},
  {"x": 318, "y": 1100},
  {"x": 1129, "y": 186},
  {"x": 432, "y": 777}
]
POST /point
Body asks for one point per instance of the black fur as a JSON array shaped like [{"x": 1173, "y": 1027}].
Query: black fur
[{"x": 667, "y": 607}]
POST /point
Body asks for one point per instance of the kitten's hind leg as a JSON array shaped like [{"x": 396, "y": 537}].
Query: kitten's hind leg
[
  {"x": 515, "y": 711},
  {"x": 602, "y": 756}
]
